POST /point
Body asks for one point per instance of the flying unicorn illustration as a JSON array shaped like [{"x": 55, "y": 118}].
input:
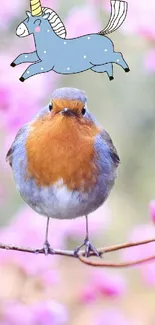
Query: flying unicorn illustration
[{"x": 67, "y": 56}]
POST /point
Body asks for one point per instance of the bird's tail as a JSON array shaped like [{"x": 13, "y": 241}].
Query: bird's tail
[{"x": 119, "y": 11}]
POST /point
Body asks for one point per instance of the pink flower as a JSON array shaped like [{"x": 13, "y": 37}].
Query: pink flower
[
  {"x": 10, "y": 11},
  {"x": 99, "y": 221},
  {"x": 53, "y": 4},
  {"x": 149, "y": 61},
  {"x": 50, "y": 313},
  {"x": 109, "y": 284},
  {"x": 140, "y": 233},
  {"x": 15, "y": 313},
  {"x": 28, "y": 229},
  {"x": 88, "y": 294},
  {"x": 140, "y": 19},
  {"x": 47, "y": 312},
  {"x": 82, "y": 20},
  {"x": 102, "y": 284},
  {"x": 152, "y": 210},
  {"x": 113, "y": 316},
  {"x": 49, "y": 277},
  {"x": 18, "y": 102}
]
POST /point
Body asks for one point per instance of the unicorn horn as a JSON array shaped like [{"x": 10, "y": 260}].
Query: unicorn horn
[{"x": 36, "y": 8}]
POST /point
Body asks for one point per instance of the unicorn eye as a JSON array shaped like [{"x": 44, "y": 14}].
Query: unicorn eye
[
  {"x": 83, "y": 111},
  {"x": 50, "y": 107},
  {"x": 37, "y": 22}
]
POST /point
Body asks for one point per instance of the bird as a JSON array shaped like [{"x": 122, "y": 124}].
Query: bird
[{"x": 63, "y": 162}]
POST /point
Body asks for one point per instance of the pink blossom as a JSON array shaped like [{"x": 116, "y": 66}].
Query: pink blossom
[
  {"x": 50, "y": 313},
  {"x": 82, "y": 20},
  {"x": 140, "y": 19},
  {"x": 87, "y": 294},
  {"x": 102, "y": 284},
  {"x": 152, "y": 210},
  {"x": 149, "y": 61},
  {"x": 10, "y": 11},
  {"x": 99, "y": 221},
  {"x": 47, "y": 312},
  {"x": 49, "y": 277},
  {"x": 18, "y": 102},
  {"x": 113, "y": 316},
  {"x": 139, "y": 233},
  {"x": 53, "y": 4},
  {"x": 14, "y": 313},
  {"x": 28, "y": 229},
  {"x": 109, "y": 284}
]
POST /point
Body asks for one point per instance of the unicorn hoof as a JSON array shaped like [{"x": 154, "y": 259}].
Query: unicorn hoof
[
  {"x": 127, "y": 69},
  {"x": 13, "y": 64},
  {"x": 22, "y": 79},
  {"x": 111, "y": 78}
]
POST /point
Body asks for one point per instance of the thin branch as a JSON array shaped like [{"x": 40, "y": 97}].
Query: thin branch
[{"x": 86, "y": 260}]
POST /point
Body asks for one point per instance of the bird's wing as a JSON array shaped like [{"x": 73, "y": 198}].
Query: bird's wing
[
  {"x": 21, "y": 134},
  {"x": 11, "y": 150},
  {"x": 113, "y": 152},
  {"x": 9, "y": 156}
]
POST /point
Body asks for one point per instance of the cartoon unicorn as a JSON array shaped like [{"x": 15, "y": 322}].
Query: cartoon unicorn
[{"x": 67, "y": 56}]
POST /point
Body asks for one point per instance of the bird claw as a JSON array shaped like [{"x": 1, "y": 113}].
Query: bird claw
[
  {"x": 47, "y": 248},
  {"x": 88, "y": 248}
]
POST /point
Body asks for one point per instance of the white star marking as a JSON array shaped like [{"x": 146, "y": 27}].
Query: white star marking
[
  {"x": 28, "y": 72},
  {"x": 84, "y": 56}
]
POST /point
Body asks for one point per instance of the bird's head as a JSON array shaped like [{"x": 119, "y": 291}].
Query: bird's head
[
  {"x": 68, "y": 103},
  {"x": 66, "y": 117}
]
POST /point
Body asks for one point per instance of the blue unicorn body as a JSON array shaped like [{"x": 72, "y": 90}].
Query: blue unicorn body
[{"x": 68, "y": 56}]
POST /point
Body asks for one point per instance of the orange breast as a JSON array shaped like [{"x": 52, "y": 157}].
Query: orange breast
[{"x": 61, "y": 148}]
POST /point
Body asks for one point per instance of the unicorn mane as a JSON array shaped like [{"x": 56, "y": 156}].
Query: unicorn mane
[{"x": 55, "y": 22}]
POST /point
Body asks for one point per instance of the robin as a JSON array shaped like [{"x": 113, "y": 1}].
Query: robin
[{"x": 64, "y": 164}]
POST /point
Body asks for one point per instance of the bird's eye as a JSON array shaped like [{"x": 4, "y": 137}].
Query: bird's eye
[
  {"x": 50, "y": 107},
  {"x": 83, "y": 111}
]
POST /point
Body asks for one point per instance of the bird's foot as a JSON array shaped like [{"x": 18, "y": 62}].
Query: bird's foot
[
  {"x": 88, "y": 249},
  {"x": 47, "y": 248}
]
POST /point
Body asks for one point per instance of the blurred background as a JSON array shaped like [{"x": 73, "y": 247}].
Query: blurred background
[{"x": 39, "y": 290}]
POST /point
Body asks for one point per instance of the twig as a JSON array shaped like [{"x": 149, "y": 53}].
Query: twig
[{"x": 86, "y": 260}]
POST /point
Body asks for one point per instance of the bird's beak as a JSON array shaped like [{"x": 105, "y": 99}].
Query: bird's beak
[{"x": 67, "y": 112}]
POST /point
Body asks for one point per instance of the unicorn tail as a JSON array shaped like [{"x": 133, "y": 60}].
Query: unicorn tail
[{"x": 119, "y": 11}]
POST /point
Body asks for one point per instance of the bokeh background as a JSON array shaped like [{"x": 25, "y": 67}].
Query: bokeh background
[{"x": 39, "y": 290}]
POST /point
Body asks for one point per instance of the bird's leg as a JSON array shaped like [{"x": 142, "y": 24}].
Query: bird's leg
[
  {"x": 46, "y": 247},
  {"x": 88, "y": 246}
]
